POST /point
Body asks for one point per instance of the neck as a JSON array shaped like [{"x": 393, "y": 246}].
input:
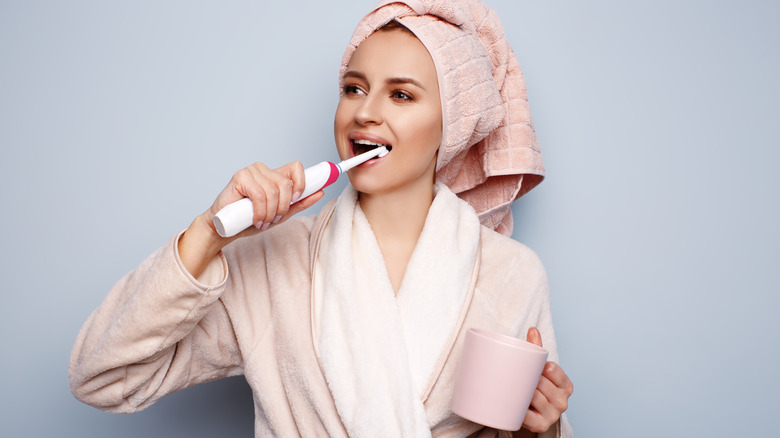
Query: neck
[
  {"x": 397, "y": 218},
  {"x": 399, "y": 214}
]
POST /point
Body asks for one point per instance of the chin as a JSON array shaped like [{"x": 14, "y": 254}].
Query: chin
[{"x": 366, "y": 185}]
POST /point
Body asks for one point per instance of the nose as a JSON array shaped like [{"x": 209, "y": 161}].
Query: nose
[{"x": 369, "y": 111}]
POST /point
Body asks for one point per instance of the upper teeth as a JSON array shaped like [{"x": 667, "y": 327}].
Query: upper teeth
[{"x": 367, "y": 143}]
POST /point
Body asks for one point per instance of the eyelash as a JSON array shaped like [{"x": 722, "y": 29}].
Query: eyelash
[
  {"x": 351, "y": 89},
  {"x": 398, "y": 95},
  {"x": 402, "y": 96}
]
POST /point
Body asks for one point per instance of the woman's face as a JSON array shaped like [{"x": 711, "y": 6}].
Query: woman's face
[{"x": 391, "y": 97}]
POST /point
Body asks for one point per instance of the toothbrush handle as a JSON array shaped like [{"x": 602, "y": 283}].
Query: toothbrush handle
[
  {"x": 237, "y": 216},
  {"x": 318, "y": 177}
]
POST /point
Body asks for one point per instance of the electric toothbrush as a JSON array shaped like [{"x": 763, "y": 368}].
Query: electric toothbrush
[{"x": 236, "y": 217}]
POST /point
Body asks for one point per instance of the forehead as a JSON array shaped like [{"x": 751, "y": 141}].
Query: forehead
[{"x": 393, "y": 53}]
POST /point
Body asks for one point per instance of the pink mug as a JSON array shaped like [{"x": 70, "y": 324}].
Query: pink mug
[{"x": 496, "y": 379}]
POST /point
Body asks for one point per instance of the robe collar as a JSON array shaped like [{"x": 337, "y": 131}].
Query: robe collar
[{"x": 447, "y": 254}]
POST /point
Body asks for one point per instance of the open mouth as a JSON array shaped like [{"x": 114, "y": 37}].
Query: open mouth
[{"x": 363, "y": 146}]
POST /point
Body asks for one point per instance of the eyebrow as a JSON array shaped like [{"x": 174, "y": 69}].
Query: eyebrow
[{"x": 398, "y": 80}]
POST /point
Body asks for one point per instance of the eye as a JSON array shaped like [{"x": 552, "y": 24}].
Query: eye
[
  {"x": 402, "y": 96},
  {"x": 352, "y": 89}
]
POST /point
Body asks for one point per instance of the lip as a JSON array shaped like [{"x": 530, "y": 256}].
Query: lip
[
  {"x": 370, "y": 163},
  {"x": 365, "y": 136}
]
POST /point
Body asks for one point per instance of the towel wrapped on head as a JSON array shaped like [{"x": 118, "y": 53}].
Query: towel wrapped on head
[{"x": 489, "y": 154}]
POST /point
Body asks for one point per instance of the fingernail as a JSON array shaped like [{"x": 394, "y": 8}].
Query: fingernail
[
  {"x": 295, "y": 197},
  {"x": 259, "y": 224},
  {"x": 265, "y": 226},
  {"x": 277, "y": 219}
]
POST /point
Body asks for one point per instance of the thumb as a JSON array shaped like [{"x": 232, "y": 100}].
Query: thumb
[{"x": 534, "y": 336}]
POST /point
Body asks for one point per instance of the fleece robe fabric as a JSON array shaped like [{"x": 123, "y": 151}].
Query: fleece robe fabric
[
  {"x": 398, "y": 339},
  {"x": 160, "y": 330}
]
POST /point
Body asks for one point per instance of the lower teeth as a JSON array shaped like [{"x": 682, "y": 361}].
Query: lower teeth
[{"x": 362, "y": 149}]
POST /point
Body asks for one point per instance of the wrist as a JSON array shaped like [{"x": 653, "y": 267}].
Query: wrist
[
  {"x": 205, "y": 231},
  {"x": 199, "y": 244}
]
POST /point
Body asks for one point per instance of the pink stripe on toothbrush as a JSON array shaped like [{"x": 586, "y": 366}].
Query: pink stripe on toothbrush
[{"x": 334, "y": 174}]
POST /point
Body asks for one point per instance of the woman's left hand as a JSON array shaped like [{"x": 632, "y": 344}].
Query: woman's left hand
[{"x": 552, "y": 393}]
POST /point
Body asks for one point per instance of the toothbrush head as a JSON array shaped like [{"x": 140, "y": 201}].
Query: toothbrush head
[{"x": 362, "y": 158}]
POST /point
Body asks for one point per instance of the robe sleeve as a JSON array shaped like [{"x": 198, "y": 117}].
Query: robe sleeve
[
  {"x": 158, "y": 331},
  {"x": 561, "y": 429}
]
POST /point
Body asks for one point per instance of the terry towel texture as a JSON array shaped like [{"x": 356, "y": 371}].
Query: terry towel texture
[{"x": 489, "y": 154}]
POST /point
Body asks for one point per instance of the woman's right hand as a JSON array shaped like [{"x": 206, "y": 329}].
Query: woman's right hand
[{"x": 271, "y": 192}]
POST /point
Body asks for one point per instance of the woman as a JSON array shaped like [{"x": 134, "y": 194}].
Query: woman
[{"x": 351, "y": 322}]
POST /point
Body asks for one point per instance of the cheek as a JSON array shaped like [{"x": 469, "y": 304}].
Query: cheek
[
  {"x": 338, "y": 135},
  {"x": 424, "y": 132},
  {"x": 342, "y": 121},
  {"x": 434, "y": 130},
  {"x": 341, "y": 115}
]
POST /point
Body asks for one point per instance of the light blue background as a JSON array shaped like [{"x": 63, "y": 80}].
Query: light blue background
[{"x": 121, "y": 121}]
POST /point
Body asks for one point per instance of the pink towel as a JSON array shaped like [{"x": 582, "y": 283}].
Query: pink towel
[{"x": 489, "y": 154}]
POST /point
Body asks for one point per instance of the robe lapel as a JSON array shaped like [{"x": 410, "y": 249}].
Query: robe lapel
[{"x": 433, "y": 300}]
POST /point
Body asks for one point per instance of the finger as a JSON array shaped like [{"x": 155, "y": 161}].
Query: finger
[
  {"x": 284, "y": 186},
  {"x": 260, "y": 189},
  {"x": 304, "y": 204},
  {"x": 534, "y": 336},
  {"x": 300, "y": 206},
  {"x": 545, "y": 409},
  {"x": 271, "y": 200},
  {"x": 546, "y": 387},
  {"x": 295, "y": 172},
  {"x": 534, "y": 421},
  {"x": 558, "y": 377},
  {"x": 557, "y": 397},
  {"x": 540, "y": 415},
  {"x": 540, "y": 402},
  {"x": 245, "y": 185}
]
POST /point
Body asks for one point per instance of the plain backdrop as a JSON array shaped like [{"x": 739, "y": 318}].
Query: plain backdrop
[{"x": 658, "y": 220}]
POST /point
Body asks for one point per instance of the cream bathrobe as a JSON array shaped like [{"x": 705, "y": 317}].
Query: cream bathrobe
[{"x": 252, "y": 312}]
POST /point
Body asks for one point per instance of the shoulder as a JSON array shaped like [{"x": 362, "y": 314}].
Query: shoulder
[
  {"x": 511, "y": 291},
  {"x": 501, "y": 253}
]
